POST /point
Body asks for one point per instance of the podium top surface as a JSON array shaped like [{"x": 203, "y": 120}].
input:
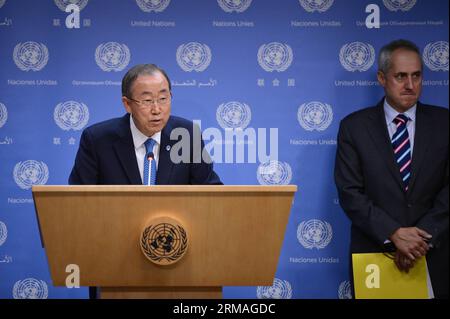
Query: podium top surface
[{"x": 164, "y": 188}]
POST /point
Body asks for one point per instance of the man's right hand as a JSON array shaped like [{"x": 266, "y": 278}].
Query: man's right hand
[{"x": 411, "y": 242}]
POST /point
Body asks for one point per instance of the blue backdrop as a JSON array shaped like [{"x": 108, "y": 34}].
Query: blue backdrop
[{"x": 298, "y": 66}]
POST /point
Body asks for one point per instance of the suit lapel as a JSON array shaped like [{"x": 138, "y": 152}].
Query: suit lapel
[
  {"x": 379, "y": 132},
  {"x": 165, "y": 164},
  {"x": 423, "y": 134},
  {"x": 124, "y": 148}
]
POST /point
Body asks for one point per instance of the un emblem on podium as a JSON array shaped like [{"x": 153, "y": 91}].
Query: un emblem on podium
[
  {"x": 2, "y": 2},
  {"x": 164, "y": 242}
]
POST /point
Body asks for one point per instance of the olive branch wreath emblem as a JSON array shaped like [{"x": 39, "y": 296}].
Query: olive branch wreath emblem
[{"x": 154, "y": 257}]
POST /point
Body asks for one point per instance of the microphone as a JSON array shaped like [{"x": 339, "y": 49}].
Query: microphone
[{"x": 150, "y": 156}]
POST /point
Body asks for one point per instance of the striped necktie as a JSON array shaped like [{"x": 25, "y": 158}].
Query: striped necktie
[
  {"x": 402, "y": 148},
  {"x": 149, "y": 163}
]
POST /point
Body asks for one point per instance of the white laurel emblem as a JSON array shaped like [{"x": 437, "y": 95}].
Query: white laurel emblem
[
  {"x": 403, "y": 5},
  {"x": 281, "y": 289},
  {"x": 233, "y": 115},
  {"x": 234, "y": 5},
  {"x": 275, "y": 56},
  {"x": 30, "y": 288},
  {"x": 30, "y": 56},
  {"x": 29, "y": 173},
  {"x": 2, "y": 2},
  {"x": 3, "y": 114},
  {"x": 3, "y": 233},
  {"x": 194, "y": 56},
  {"x": 316, "y": 5},
  {"x": 71, "y": 115},
  {"x": 62, "y": 4},
  {"x": 435, "y": 56},
  {"x": 314, "y": 233},
  {"x": 112, "y": 56},
  {"x": 153, "y": 5},
  {"x": 274, "y": 173},
  {"x": 345, "y": 290},
  {"x": 357, "y": 56},
  {"x": 315, "y": 116}
]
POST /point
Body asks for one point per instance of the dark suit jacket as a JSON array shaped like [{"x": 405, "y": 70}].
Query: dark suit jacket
[
  {"x": 106, "y": 156},
  {"x": 370, "y": 187}
]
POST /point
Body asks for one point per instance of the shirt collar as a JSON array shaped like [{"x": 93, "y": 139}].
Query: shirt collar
[
  {"x": 140, "y": 138},
  {"x": 391, "y": 113}
]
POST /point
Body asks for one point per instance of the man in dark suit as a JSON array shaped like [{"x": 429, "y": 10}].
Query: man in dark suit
[
  {"x": 392, "y": 170},
  {"x": 115, "y": 152},
  {"x": 138, "y": 148}
]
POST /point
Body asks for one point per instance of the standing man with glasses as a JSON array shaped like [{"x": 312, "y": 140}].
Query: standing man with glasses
[
  {"x": 392, "y": 170},
  {"x": 136, "y": 148}
]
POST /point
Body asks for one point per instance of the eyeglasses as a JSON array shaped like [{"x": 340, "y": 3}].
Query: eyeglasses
[{"x": 162, "y": 101}]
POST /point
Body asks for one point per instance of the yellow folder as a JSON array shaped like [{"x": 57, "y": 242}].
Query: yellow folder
[{"x": 377, "y": 277}]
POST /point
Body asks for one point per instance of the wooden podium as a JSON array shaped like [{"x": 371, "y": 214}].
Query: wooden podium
[{"x": 234, "y": 233}]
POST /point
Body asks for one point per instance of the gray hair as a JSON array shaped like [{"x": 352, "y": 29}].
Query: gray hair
[
  {"x": 384, "y": 58},
  {"x": 137, "y": 70}
]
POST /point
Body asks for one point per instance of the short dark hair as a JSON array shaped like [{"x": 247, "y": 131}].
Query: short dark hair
[
  {"x": 137, "y": 70},
  {"x": 384, "y": 57}
]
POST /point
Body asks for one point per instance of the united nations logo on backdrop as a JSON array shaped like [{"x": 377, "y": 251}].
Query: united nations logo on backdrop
[
  {"x": 3, "y": 114},
  {"x": 281, "y": 289},
  {"x": 274, "y": 173},
  {"x": 357, "y": 56},
  {"x": 316, "y": 5},
  {"x": 345, "y": 290},
  {"x": 153, "y": 5},
  {"x": 30, "y": 288},
  {"x": 315, "y": 116},
  {"x": 71, "y": 115},
  {"x": 29, "y": 173},
  {"x": 3, "y": 233},
  {"x": 194, "y": 56},
  {"x": 30, "y": 56},
  {"x": 164, "y": 241},
  {"x": 275, "y": 56},
  {"x": 62, "y": 4},
  {"x": 2, "y": 2},
  {"x": 112, "y": 56},
  {"x": 403, "y": 5},
  {"x": 314, "y": 233},
  {"x": 435, "y": 56},
  {"x": 234, "y": 5},
  {"x": 233, "y": 115}
]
